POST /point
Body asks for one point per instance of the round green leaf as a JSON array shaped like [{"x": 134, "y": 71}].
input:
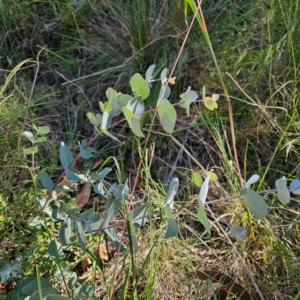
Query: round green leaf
[
  {"x": 239, "y": 232},
  {"x": 197, "y": 179},
  {"x": 139, "y": 86},
  {"x": 282, "y": 191},
  {"x": 167, "y": 115},
  {"x": 255, "y": 203},
  {"x": 28, "y": 135}
]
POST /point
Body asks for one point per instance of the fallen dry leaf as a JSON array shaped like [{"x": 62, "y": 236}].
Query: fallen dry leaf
[{"x": 84, "y": 195}]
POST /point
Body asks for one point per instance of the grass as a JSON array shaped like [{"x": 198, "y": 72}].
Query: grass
[{"x": 78, "y": 50}]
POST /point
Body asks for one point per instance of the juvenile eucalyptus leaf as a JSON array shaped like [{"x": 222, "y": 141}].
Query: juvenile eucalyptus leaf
[
  {"x": 73, "y": 211},
  {"x": 94, "y": 222},
  {"x": 66, "y": 156},
  {"x": 43, "y": 130},
  {"x": 39, "y": 140},
  {"x": 106, "y": 120},
  {"x": 149, "y": 73},
  {"x": 96, "y": 120},
  {"x": 197, "y": 179},
  {"x": 111, "y": 94},
  {"x": 86, "y": 153},
  {"x": 5, "y": 272},
  {"x": 121, "y": 191},
  {"x": 204, "y": 189},
  {"x": 139, "y": 86},
  {"x": 172, "y": 192},
  {"x": 282, "y": 191},
  {"x": 163, "y": 75},
  {"x": 140, "y": 213},
  {"x": 64, "y": 234},
  {"x": 202, "y": 217},
  {"x": 106, "y": 132},
  {"x": 47, "y": 182},
  {"x": 255, "y": 203},
  {"x": 112, "y": 208},
  {"x": 16, "y": 271},
  {"x": 254, "y": 178},
  {"x": 295, "y": 187},
  {"x": 55, "y": 297},
  {"x": 133, "y": 235},
  {"x": 164, "y": 92},
  {"x": 133, "y": 122},
  {"x": 55, "y": 250},
  {"x": 85, "y": 215},
  {"x": 99, "y": 188},
  {"x": 136, "y": 106},
  {"x": 28, "y": 135},
  {"x": 103, "y": 173},
  {"x": 172, "y": 229},
  {"x": 187, "y": 99},
  {"x": 113, "y": 236},
  {"x": 239, "y": 232},
  {"x": 31, "y": 150},
  {"x": 32, "y": 286},
  {"x": 123, "y": 99},
  {"x": 80, "y": 236},
  {"x": 45, "y": 292},
  {"x": 167, "y": 115}
]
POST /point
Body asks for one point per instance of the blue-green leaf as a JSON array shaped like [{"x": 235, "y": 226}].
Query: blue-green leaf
[
  {"x": 172, "y": 229},
  {"x": 133, "y": 122},
  {"x": 32, "y": 286},
  {"x": 133, "y": 235},
  {"x": 251, "y": 180},
  {"x": 106, "y": 120},
  {"x": 136, "y": 106},
  {"x": 80, "y": 236},
  {"x": 255, "y": 203},
  {"x": 66, "y": 156},
  {"x": 204, "y": 189},
  {"x": 5, "y": 272},
  {"x": 46, "y": 182},
  {"x": 45, "y": 292},
  {"x": 64, "y": 234},
  {"x": 112, "y": 208},
  {"x": 149, "y": 73},
  {"x": 86, "y": 153},
  {"x": 239, "y": 232},
  {"x": 113, "y": 236},
  {"x": 140, "y": 213},
  {"x": 94, "y": 119},
  {"x": 55, "y": 250},
  {"x": 295, "y": 187},
  {"x": 187, "y": 99},
  {"x": 94, "y": 222},
  {"x": 282, "y": 191},
  {"x": 167, "y": 115},
  {"x": 55, "y": 297},
  {"x": 103, "y": 173},
  {"x": 106, "y": 132},
  {"x": 202, "y": 217},
  {"x": 172, "y": 192},
  {"x": 163, "y": 76}
]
